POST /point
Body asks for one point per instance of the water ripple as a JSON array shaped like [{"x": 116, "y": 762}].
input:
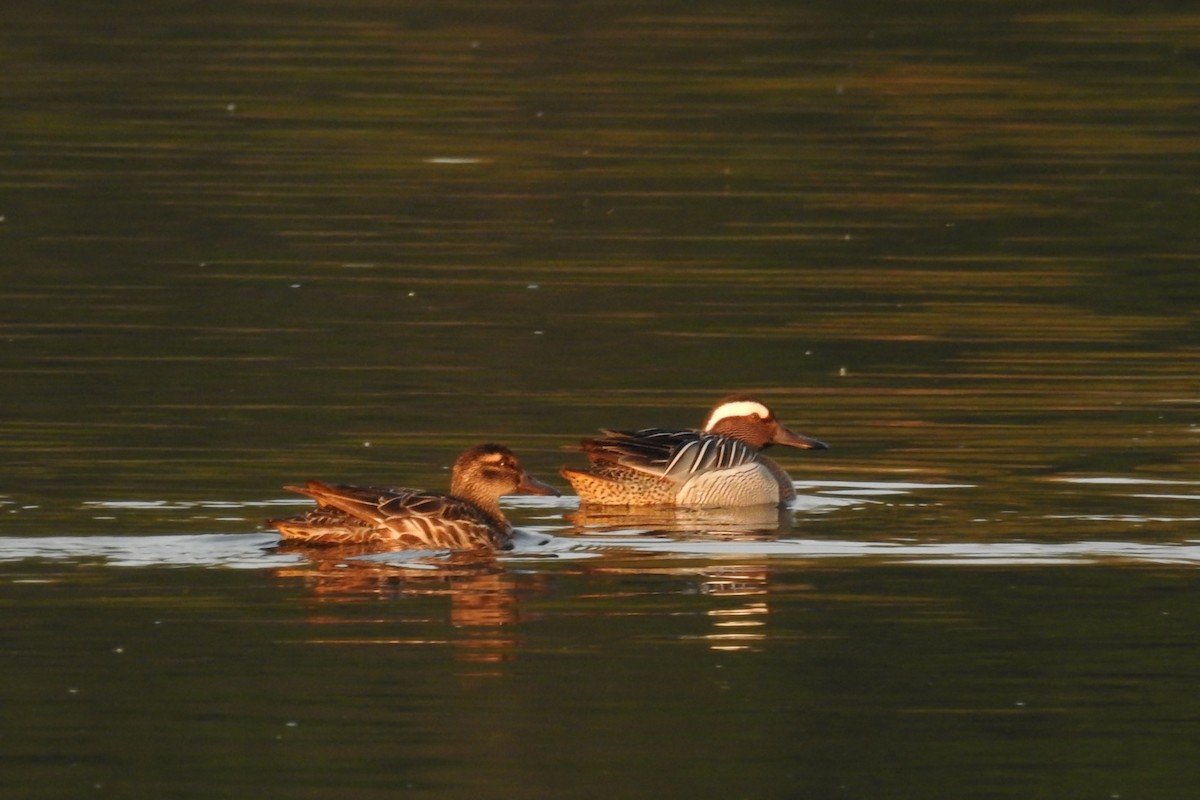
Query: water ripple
[{"x": 258, "y": 551}]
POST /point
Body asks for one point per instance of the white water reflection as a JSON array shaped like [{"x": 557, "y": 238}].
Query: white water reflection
[
  {"x": 1124, "y": 481},
  {"x": 182, "y": 505},
  {"x": 1169, "y": 496},
  {"x": 933, "y": 553},
  {"x": 864, "y": 488},
  {"x": 554, "y": 529},
  {"x": 238, "y": 551},
  {"x": 257, "y": 551},
  {"x": 1134, "y": 519}
]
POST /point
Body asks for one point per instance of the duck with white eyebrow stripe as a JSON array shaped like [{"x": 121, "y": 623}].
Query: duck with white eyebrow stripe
[{"x": 721, "y": 466}]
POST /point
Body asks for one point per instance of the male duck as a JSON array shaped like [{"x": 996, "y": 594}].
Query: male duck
[
  {"x": 720, "y": 466},
  {"x": 468, "y": 518}
]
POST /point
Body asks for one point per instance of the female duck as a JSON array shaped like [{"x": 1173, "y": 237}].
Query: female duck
[
  {"x": 720, "y": 466},
  {"x": 468, "y": 518}
]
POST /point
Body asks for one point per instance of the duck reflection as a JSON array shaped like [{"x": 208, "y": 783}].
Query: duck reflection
[
  {"x": 741, "y": 626},
  {"x": 483, "y": 597},
  {"x": 738, "y": 624}
]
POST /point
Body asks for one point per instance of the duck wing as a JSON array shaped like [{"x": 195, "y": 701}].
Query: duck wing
[
  {"x": 410, "y": 518},
  {"x": 674, "y": 455}
]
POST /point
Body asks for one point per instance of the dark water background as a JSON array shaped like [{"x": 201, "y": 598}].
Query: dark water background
[{"x": 248, "y": 243}]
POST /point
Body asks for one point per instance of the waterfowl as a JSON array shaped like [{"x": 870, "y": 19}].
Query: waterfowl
[
  {"x": 719, "y": 466},
  {"x": 468, "y": 518}
]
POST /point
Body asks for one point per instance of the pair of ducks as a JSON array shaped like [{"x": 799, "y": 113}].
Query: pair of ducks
[{"x": 719, "y": 466}]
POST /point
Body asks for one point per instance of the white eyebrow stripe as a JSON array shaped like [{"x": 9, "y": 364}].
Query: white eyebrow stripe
[{"x": 738, "y": 408}]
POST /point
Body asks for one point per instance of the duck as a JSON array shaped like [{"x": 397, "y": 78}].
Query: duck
[
  {"x": 719, "y": 466},
  {"x": 467, "y": 518}
]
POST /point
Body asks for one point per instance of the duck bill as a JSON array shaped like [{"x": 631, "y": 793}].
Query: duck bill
[
  {"x": 531, "y": 485},
  {"x": 789, "y": 438}
]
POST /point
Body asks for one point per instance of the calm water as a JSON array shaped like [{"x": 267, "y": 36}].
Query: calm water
[{"x": 247, "y": 244}]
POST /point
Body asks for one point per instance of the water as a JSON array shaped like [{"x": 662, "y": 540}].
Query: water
[{"x": 248, "y": 245}]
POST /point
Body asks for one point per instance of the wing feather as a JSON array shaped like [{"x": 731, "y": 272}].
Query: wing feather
[
  {"x": 413, "y": 517},
  {"x": 671, "y": 454}
]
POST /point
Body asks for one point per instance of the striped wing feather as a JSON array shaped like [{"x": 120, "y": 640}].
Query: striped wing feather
[
  {"x": 411, "y": 517},
  {"x": 674, "y": 455}
]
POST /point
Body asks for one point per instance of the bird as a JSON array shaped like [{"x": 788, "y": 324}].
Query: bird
[
  {"x": 467, "y": 518},
  {"x": 719, "y": 466}
]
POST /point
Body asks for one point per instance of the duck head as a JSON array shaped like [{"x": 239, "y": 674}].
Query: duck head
[{"x": 749, "y": 420}]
